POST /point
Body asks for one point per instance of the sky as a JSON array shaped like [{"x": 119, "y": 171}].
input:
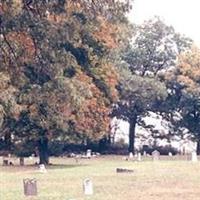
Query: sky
[{"x": 183, "y": 15}]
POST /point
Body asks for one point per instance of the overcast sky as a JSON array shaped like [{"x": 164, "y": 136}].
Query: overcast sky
[{"x": 183, "y": 15}]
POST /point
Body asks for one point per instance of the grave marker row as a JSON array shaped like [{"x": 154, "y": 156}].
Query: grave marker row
[{"x": 30, "y": 187}]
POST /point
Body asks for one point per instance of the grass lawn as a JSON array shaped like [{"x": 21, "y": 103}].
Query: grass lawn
[{"x": 161, "y": 180}]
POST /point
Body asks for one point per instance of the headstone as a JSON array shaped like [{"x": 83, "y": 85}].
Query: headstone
[
  {"x": 21, "y": 161},
  {"x": 194, "y": 157},
  {"x": 170, "y": 154},
  {"x": 98, "y": 154},
  {"x": 5, "y": 162},
  {"x": 42, "y": 168},
  {"x": 139, "y": 158},
  {"x": 87, "y": 187},
  {"x": 145, "y": 153},
  {"x": 30, "y": 187},
  {"x": 89, "y": 153},
  {"x": 156, "y": 155},
  {"x": 72, "y": 155},
  {"x": 130, "y": 155}
]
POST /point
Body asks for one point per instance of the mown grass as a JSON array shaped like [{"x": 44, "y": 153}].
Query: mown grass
[{"x": 161, "y": 180}]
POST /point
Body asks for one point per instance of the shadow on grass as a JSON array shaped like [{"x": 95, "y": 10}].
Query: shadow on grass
[
  {"x": 18, "y": 168},
  {"x": 65, "y": 166}
]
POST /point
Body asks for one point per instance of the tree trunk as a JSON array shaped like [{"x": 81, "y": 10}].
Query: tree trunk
[
  {"x": 198, "y": 147},
  {"x": 132, "y": 124},
  {"x": 7, "y": 141},
  {"x": 43, "y": 150}
]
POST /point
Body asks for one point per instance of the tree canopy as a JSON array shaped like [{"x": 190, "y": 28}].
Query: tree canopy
[
  {"x": 57, "y": 80},
  {"x": 185, "y": 77},
  {"x": 154, "y": 48}
]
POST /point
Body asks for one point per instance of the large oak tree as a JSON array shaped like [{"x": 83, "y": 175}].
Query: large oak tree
[{"x": 57, "y": 80}]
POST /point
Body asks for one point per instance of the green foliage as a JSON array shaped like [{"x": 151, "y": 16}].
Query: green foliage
[
  {"x": 138, "y": 95},
  {"x": 185, "y": 77},
  {"x": 57, "y": 79},
  {"x": 155, "y": 47}
]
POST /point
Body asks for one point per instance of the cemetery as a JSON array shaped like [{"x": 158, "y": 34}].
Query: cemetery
[
  {"x": 96, "y": 105},
  {"x": 105, "y": 177}
]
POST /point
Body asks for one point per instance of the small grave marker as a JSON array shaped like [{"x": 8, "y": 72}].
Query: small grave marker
[
  {"x": 88, "y": 187},
  {"x": 170, "y": 154},
  {"x": 30, "y": 187},
  {"x": 156, "y": 155},
  {"x": 21, "y": 161},
  {"x": 89, "y": 153},
  {"x": 194, "y": 157},
  {"x": 130, "y": 155},
  {"x": 42, "y": 168},
  {"x": 5, "y": 162},
  {"x": 139, "y": 158},
  {"x": 124, "y": 170}
]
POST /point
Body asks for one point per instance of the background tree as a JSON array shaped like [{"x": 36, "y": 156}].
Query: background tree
[
  {"x": 138, "y": 95},
  {"x": 155, "y": 46},
  {"x": 154, "y": 49},
  {"x": 185, "y": 78}
]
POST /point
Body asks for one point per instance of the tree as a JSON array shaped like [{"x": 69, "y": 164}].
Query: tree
[
  {"x": 137, "y": 96},
  {"x": 154, "y": 49},
  {"x": 185, "y": 77},
  {"x": 58, "y": 81}
]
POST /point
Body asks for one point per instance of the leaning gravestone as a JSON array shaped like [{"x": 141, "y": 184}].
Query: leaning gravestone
[
  {"x": 87, "y": 187},
  {"x": 156, "y": 155},
  {"x": 194, "y": 157},
  {"x": 30, "y": 187}
]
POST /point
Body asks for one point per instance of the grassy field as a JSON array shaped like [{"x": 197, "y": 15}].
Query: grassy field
[{"x": 162, "y": 180}]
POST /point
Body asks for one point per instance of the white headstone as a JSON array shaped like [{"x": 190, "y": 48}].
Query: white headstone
[
  {"x": 42, "y": 168},
  {"x": 170, "y": 154},
  {"x": 139, "y": 158},
  {"x": 87, "y": 187},
  {"x": 89, "y": 153},
  {"x": 130, "y": 155},
  {"x": 144, "y": 153},
  {"x": 194, "y": 157}
]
